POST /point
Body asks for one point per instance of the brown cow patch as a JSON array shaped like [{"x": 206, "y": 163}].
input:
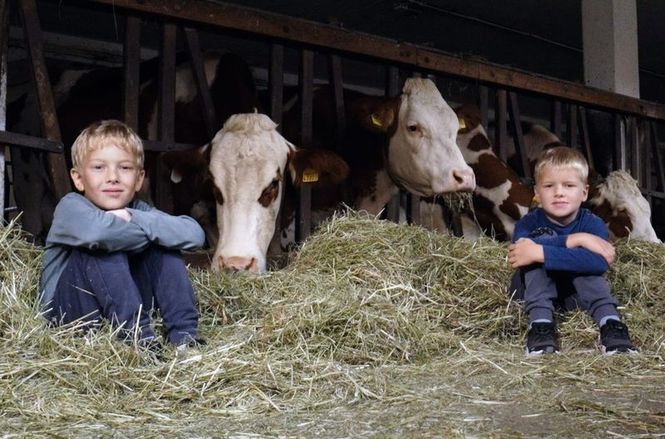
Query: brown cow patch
[
  {"x": 270, "y": 193},
  {"x": 488, "y": 221},
  {"x": 491, "y": 172},
  {"x": 479, "y": 142},
  {"x": 619, "y": 224}
]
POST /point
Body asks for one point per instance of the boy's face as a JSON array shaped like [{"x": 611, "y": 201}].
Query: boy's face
[
  {"x": 109, "y": 177},
  {"x": 561, "y": 192}
]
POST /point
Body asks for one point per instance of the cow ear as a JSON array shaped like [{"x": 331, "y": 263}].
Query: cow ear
[
  {"x": 316, "y": 166},
  {"x": 378, "y": 114},
  {"x": 182, "y": 163},
  {"x": 469, "y": 117}
]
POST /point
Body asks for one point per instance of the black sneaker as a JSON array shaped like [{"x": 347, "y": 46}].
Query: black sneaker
[
  {"x": 542, "y": 339},
  {"x": 614, "y": 339}
]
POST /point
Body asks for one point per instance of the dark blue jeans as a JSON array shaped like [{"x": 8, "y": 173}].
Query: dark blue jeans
[
  {"x": 125, "y": 288},
  {"x": 542, "y": 291}
]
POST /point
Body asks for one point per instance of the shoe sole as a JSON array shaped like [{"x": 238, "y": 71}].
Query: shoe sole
[{"x": 540, "y": 352}]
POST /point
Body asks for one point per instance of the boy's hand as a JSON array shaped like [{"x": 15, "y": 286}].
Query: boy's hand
[
  {"x": 525, "y": 252},
  {"x": 121, "y": 213},
  {"x": 592, "y": 243}
]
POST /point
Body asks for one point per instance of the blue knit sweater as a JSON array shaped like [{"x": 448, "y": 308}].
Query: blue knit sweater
[{"x": 536, "y": 226}]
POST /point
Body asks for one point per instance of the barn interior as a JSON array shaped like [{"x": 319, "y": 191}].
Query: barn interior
[{"x": 538, "y": 39}]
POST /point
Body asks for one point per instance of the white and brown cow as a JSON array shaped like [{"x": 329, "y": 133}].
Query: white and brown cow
[
  {"x": 407, "y": 142},
  {"x": 500, "y": 198},
  {"x": 250, "y": 163}
]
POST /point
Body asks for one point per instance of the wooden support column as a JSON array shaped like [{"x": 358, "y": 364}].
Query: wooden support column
[
  {"x": 586, "y": 143},
  {"x": 500, "y": 115},
  {"x": 621, "y": 160},
  {"x": 483, "y": 104},
  {"x": 392, "y": 89},
  {"x": 515, "y": 118},
  {"x": 163, "y": 195},
  {"x": 276, "y": 83},
  {"x": 304, "y": 223},
  {"x": 572, "y": 126},
  {"x": 131, "y": 54},
  {"x": 555, "y": 118},
  {"x": 337, "y": 83},
  {"x": 4, "y": 36},
  {"x": 657, "y": 155},
  {"x": 57, "y": 167},
  {"x": 198, "y": 71}
]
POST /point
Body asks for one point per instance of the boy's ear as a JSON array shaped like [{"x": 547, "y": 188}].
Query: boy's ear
[
  {"x": 586, "y": 192},
  {"x": 140, "y": 180},
  {"x": 76, "y": 178}
]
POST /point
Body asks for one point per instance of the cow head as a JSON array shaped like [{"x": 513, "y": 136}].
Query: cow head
[
  {"x": 422, "y": 153},
  {"x": 249, "y": 163}
]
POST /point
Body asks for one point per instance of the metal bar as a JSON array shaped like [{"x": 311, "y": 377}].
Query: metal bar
[
  {"x": 660, "y": 172},
  {"x": 500, "y": 134},
  {"x": 572, "y": 126},
  {"x": 17, "y": 139},
  {"x": 33, "y": 34},
  {"x": 282, "y": 27},
  {"x": 515, "y": 118},
  {"x": 586, "y": 143},
  {"x": 276, "y": 83},
  {"x": 304, "y": 223},
  {"x": 555, "y": 118},
  {"x": 392, "y": 89},
  {"x": 131, "y": 62},
  {"x": 4, "y": 47},
  {"x": 198, "y": 70},
  {"x": 163, "y": 195}
]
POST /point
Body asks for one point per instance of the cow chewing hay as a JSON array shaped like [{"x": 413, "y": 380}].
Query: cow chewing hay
[{"x": 374, "y": 329}]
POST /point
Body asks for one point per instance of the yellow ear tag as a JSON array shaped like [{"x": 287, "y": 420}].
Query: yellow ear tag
[
  {"x": 376, "y": 121},
  {"x": 462, "y": 123},
  {"x": 310, "y": 175}
]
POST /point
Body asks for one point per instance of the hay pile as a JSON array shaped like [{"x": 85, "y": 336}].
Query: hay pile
[{"x": 374, "y": 328}]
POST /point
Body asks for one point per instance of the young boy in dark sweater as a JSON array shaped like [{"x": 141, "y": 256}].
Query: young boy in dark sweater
[{"x": 562, "y": 252}]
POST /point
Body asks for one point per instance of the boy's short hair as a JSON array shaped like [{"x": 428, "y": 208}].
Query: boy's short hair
[
  {"x": 562, "y": 157},
  {"x": 104, "y": 133}
]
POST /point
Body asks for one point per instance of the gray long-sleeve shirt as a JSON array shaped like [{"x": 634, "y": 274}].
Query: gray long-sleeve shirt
[{"x": 77, "y": 222}]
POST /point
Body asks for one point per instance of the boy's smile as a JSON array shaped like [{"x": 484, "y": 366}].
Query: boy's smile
[
  {"x": 561, "y": 192},
  {"x": 109, "y": 177}
]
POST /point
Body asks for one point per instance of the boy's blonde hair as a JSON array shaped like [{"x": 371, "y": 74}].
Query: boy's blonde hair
[
  {"x": 105, "y": 133},
  {"x": 562, "y": 157}
]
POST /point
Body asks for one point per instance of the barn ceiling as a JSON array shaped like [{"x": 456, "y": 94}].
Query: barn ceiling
[{"x": 542, "y": 36}]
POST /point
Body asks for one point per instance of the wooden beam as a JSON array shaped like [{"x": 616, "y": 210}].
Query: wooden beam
[
  {"x": 276, "y": 83},
  {"x": 16, "y": 139},
  {"x": 392, "y": 90},
  {"x": 304, "y": 222},
  {"x": 131, "y": 60},
  {"x": 50, "y": 128},
  {"x": 198, "y": 70},
  {"x": 4, "y": 47},
  {"x": 336, "y": 38}
]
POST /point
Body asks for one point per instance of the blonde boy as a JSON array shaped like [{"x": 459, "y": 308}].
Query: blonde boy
[
  {"x": 561, "y": 251},
  {"x": 109, "y": 256}
]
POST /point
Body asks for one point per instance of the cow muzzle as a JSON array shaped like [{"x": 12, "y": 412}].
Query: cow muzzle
[
  {"x": 463, "y": 180},
  {"x": 236, "y": 264}
]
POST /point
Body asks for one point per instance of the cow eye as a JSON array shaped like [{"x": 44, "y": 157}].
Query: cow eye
[
  {"x": 270, "y": 193},
  {"x": 413, "y": 128}
]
